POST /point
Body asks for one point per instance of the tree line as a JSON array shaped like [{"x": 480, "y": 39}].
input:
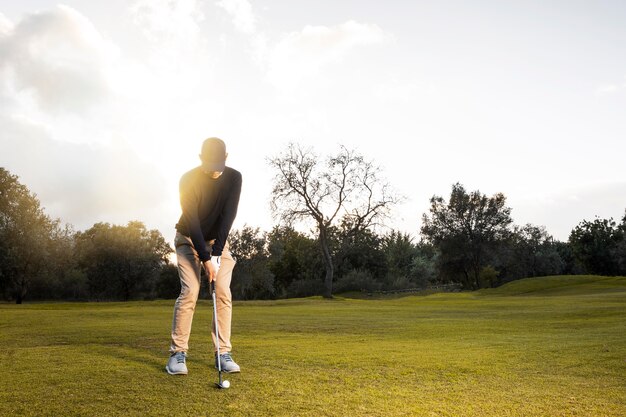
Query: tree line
[{"x": 468, "y": 239}]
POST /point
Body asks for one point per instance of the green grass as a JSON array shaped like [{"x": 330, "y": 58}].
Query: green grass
[{"x": 539, "y": 347}]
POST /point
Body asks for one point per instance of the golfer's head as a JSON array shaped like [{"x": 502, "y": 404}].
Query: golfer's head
[{"x": 213, "y": 156}]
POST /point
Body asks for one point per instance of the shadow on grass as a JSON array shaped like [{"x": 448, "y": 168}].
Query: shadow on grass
[{"x": 125, "y": 356}]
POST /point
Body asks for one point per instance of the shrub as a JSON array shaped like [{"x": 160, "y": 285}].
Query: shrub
[
  {"x": 305, "y": 288},
  {"x": 357, "y": 280},
  {"x": 488, "y": 276}
]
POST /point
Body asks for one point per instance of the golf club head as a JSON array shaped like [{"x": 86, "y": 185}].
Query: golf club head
[{"x": 223, "y": 385}]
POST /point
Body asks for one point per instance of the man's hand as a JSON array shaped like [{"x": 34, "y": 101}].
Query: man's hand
[{"x": 211, "y": 267}]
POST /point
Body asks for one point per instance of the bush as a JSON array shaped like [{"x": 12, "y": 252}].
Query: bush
[
  {"x": 253, "y": 283},
  {"x": 401, "y": 283},
  {"x": 423, "y": 270},
  {"x": 305, "y": 288},
  {"x": 488, "y": 276},
  {"x": 357, "y": 280}
]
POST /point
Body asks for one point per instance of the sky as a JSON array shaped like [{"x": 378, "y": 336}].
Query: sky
[{"x": 104, "y": 105}]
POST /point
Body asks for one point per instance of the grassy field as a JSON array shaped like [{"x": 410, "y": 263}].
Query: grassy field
[{"x": 537, "y": 347}]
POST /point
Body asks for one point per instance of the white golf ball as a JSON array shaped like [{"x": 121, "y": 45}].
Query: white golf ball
[{"x": 225, "y": 384}]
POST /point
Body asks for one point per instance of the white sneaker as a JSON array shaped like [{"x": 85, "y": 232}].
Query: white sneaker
[
  {"x": 227, "y": 363},
  {"x": 176, "y": 364}
]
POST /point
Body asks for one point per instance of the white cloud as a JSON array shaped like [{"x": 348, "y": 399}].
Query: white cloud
[
  {"x": 76, "y": 119},
  {"x": 56, "y": 59},
  {"x": 610, "y": 88},
  {"x": 82, "y": 183},
  {"x": 301, "y": 55},
  {"x": 241, "y": 12},
  {"x": 607, "y": 88},
  {"x": 244, "y": 21},
  {"x": 166, "y": 21},
  {"x": 396, "y": 90},
  {"x": 6, "y": 25},
  {"x": 176, "y": 59}
]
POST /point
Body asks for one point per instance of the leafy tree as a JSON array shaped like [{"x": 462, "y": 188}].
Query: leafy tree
[
  {"x": 531, "y": 251},
  {"x": 168, "y": 282},
  {"x": 409, "y": 264},
  {"x": 530, "y": 241},
  {"x": 569, "y": 266},
  {"x": 63, "y": 278},
  {"x": 620, "y": 250},
  {"x": 27, "y": 237},
  {"x": 344, "y": 185},
  {"x": 121, "y": 262},
  {"x": 400, "y": 252},
  {"x": 424, "y": 265},
  {"x": 598, "y": 246},
  {"x": 465, "y": 230},
  {"x": 294, "y": 257},
  {"x": 359, "y": 249},
  {"x": 252, "y": 278}
]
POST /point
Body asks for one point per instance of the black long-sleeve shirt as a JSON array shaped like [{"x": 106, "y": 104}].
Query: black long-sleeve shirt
[{"x": 209, "y": 208}]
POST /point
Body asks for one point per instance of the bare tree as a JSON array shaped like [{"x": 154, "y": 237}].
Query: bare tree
[{"x": 344, "y": 186}]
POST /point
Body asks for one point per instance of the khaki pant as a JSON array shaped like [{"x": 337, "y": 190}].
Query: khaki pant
[{"x": 189, "y": 267}]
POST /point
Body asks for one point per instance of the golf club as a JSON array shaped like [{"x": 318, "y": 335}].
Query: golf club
[{"x": 221, "y": 384}]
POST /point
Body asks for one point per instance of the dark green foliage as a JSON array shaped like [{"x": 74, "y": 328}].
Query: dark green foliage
[
  {"x": 528, "y": 252},
  {"x": 465, "y": 231},
  {"x": 252, "y": 278},
  {"x": 168, "y": 282},
  {"x": 400, "y": 253},
  {"x": 358, "y": 280},
  {"x": 568, "y": 261},
  {"x": 409, "y": 265},
  {"x": 424, "y": 266},
  {"x": 488, "y": 276},
  {"x": 294, "y": 256},
  {"x": 121, "y": 262},
  {"x": 620, "y": 249},
  {"x": 600, "y": 246},
  {"x": 304, "y": 288},
  {"x": 537, "y": 256},
  {"x": 359, "y": 250},
  {"x": 27, "y": 239}
]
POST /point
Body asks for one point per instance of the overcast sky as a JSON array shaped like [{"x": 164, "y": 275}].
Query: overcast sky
[{"x": 104, "y": 104}]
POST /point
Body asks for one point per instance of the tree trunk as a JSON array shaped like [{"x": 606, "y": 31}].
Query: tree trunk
[
  {"x": 476, "y": 267},
  {"x": 328, "y": 261},
  {"x": 21, "y": 291},
  {"x": 477, "y": 284},
  {"x": 467, "y": 283}
]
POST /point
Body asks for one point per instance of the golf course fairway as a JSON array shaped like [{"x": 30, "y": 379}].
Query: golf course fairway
[{"x": 552, "y": 346}]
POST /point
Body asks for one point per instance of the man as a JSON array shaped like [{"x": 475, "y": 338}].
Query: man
[{"x": 209, "y": 197}]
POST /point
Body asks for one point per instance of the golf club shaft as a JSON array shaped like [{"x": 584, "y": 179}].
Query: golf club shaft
[{"x": 217, "y": 335}]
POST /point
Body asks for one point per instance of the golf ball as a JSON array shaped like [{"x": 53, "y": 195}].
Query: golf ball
[{"x": 225, "y": 384}]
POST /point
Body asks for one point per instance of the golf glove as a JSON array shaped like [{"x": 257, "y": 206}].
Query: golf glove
[{"x": 215, "y": 260}]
